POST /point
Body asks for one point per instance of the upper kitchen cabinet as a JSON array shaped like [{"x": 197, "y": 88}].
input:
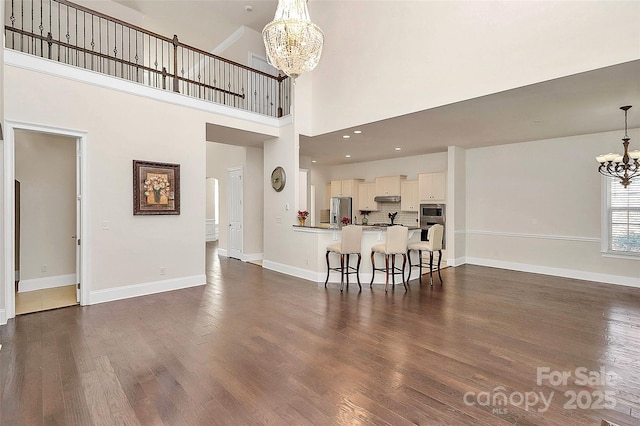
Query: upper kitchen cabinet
[
  {"x": 367, "y": 192},
  {"x": 345, "y": 187},
  {"x": 410, "y": 200},
  {"x": 432, "y": 187},
  {"x": 389, "y": 185}
]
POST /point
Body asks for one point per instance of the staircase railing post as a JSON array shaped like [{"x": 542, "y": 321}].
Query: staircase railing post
[
  {"x": 279, "y": 95},
  {"x": 164, "y": 78},
  {"x": 50, "y": 43},
  {"x": 176, "y": 82}
]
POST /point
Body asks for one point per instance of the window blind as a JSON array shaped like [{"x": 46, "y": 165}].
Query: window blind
[{"x": 624, "y": 217}]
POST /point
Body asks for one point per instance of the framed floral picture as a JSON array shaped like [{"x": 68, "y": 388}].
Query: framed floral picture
[{"x": 156, "y": 188}]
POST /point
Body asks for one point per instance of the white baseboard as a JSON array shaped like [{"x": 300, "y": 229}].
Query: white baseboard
[
  {"x": 334, "y": 276},
  {"x": 250, "y": 257},
  {"x": 559, "y": 272},
  {"x": 304, "y": 274},
  {"x": 46, "y": 282},
  {"x": 456, "y": 261},
  {"x": 3, "y": 317},
  {"x": 144, "y": 289}
]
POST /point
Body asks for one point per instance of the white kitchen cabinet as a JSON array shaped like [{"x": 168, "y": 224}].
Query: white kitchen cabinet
[
  {"x": 389, "y": 185},
  {"x": 432, "y": 187},
  {"x": 367, "y": 192},
  {"x": 410, "y": 201},
  {"x": 345, "y": 187}
]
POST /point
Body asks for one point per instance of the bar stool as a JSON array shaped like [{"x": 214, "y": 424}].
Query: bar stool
[
  {"x": 396, "y": 243},
  {"x": 434, "y": 243},
  {"x": 351, "y": 243}
]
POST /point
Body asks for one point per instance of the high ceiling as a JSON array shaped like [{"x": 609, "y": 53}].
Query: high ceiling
[{"x": 580, "y": 104}]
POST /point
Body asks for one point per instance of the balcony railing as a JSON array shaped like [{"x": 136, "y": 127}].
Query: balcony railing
[{"x": 72, "y": 34}]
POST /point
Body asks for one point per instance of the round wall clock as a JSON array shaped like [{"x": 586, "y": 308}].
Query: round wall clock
[{"x": 278, "y": 179}]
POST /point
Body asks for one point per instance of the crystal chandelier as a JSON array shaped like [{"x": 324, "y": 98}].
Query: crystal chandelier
[
  {"x": 620, "y": 166},
  {"x": 293, "y": 42}
]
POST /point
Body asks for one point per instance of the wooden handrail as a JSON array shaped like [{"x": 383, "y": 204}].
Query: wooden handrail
[
  {"x": 265, "y": 93},
  {"x": 172, "y": 40}
]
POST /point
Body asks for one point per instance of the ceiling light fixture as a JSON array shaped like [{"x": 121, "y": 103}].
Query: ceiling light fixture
[
  {"x": 346, "y": 136},
  {"x": 348, "y": 156},
  {"x": 397, "y": 148},
  {"x": 620, "y": 166},
  {"x": 357, "y": 132},
  {"x": 293, "y": 42}
]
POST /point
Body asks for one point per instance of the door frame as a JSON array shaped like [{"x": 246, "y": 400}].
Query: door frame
[{"x": 9, "y": 206}]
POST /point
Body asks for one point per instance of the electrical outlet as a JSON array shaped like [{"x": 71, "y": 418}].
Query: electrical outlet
[
  {"x": 163, "y": 270},
  {"x": 43, "y": 268}
]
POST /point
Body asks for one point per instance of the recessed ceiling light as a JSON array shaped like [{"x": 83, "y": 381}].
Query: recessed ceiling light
[
  {"x": 348, "y": 155},
  {"x": 346, "y": 136},
  {"x": 248, "y": 8},
  {"x": 398, "y": 148},
  {"x": 357, "y": 132},
  {"x": 313, "y": 161}
]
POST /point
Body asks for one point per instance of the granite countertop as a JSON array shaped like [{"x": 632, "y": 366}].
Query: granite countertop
[{"x": 365, "y": 227}]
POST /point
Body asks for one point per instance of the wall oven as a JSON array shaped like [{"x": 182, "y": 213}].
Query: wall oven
[{"x": 431, "y": 214}]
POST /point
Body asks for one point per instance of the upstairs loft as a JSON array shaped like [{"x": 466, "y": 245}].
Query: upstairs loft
[{"x": 75, "y": 35}]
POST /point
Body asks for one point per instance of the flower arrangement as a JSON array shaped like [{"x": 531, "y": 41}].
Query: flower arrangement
[
  {"x": 156, "y": 184},
  {"x": 303, "y": 214},
  {"x": 345, "y": 221}
]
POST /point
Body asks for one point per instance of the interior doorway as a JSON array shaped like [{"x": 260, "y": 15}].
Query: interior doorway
[
  {"x": 44, "y": 218},
  {"x": 45, "y": 239}
]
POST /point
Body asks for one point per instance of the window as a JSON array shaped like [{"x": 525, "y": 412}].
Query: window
[{"x": 623, "y": 218}]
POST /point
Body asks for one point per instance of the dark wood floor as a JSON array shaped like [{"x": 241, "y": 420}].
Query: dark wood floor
[{"x": 257, "y": 347}]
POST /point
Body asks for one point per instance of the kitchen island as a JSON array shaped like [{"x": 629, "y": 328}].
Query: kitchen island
[{"x": 314, "y": 241}]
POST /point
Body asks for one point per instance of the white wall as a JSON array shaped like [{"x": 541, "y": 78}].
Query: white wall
[
  {"x": 456, "y": 214},
  {"x": 45, "y": 166},
  {"x": 120, "y": 128},
  {"x": 537, "y": 206},
  {"x": 250, "y": 41},
  {"x": 2, "y": 237},
  {"x": 387, "y": 58},
  {"x": 253, "y": 202}
]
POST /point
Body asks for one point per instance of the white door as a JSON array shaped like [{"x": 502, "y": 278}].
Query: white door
[
  {"x": 78, "y": 217},
  {"x": 234, "y": 198}
]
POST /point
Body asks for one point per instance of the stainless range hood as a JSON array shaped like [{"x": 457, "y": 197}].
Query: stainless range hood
[{"x": 387, "y": 199}]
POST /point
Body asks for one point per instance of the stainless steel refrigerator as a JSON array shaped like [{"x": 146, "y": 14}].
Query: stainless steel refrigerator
[{"x": 340, "y": 207}]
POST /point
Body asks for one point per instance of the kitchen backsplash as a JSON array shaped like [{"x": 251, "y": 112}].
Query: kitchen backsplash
[{"x": 382, "y": 215}]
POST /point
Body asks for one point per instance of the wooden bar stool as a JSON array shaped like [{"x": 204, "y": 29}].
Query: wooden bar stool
[
  {"x": 396, "y": 243},
  {"x": 433, "y": 243},
  {"x": 351, "y": 243}
]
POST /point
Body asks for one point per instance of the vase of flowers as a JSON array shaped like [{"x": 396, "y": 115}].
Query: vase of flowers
[
  {"x": 302, "y": 216},
  {"x": 158, "y": 185},
  {"x": 345, "y": 221}
]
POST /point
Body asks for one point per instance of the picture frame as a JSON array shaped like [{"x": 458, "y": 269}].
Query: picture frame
[{"x": 156, "y": 188}]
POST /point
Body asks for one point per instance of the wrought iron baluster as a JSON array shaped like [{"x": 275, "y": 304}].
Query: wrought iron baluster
[
  {"x": 41, "y": 28},
  {"x": 12, "y": 18},
  {"x": 77, "y": 53},
  {"x": 22, "y": 26},
  {"x": 67, "y": 36},
  {"x": 33, "y": 40}
]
